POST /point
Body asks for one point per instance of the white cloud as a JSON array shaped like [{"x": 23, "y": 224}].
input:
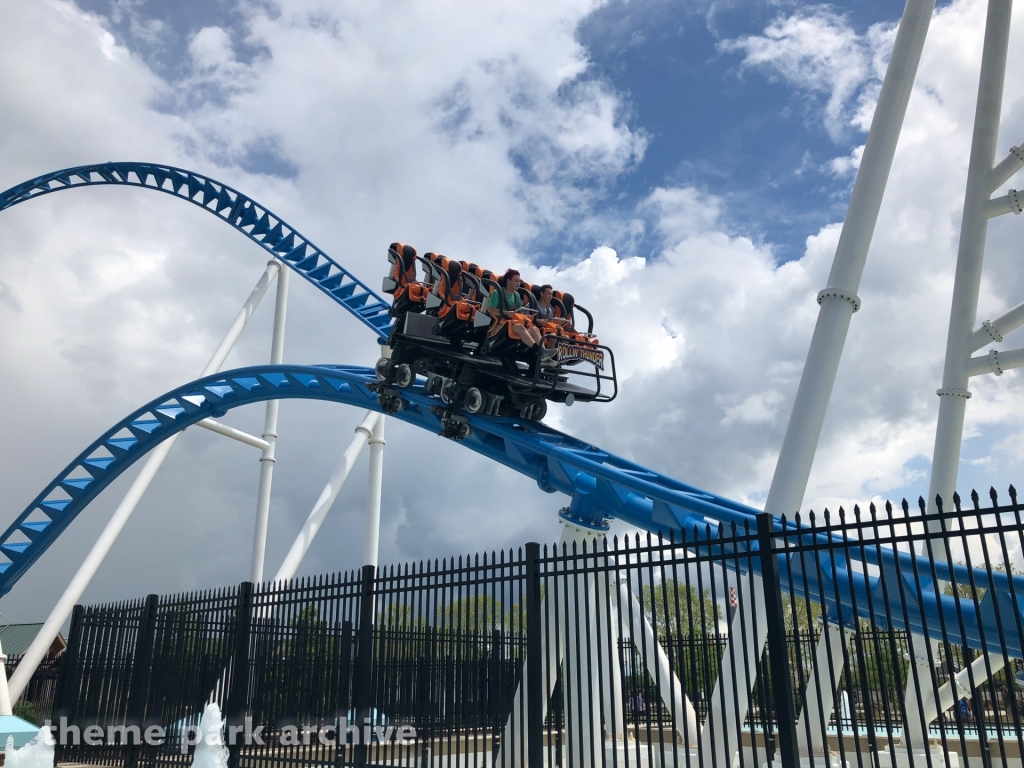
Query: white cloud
[
  {"x": 110, "y": 296},
  {"x": 469, "y": 145},
  {"x": 760, "y": 408},
  {"x": 818, "y": 51}
]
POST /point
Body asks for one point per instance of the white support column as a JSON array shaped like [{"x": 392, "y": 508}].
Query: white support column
[
  {"x": 37, "y": 650},
  {"x": 820, "y": 696},
  {"x": 259, "y": 539},
  {"x": 611, "y": 688},
  {"x": 658, "y": 667},
  {"x": 839, "y": 299},
  {"x": 838, "y": 302},
  {"x": 963, "y": 317},
  {"x": 584, "y": 740},
  {"x": 372, "y": 541},
  {"x": 967, "y": 282},
  {"x": 6, "y": 708},
  {"x": 969, "y": 677},
  {"x": 323, "y": 505},
  {"x": 553, "y": 658},
  {"x": 730, "y": 701}
]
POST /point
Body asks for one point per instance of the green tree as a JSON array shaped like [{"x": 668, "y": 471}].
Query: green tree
[{"x": 674, "y": 608}]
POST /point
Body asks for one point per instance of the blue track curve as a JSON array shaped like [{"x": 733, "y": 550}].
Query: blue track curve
[
  {"x": 253, "y": 220},
  {"x": 598, "y": 481},
  {"x": 601, "y": 485}
]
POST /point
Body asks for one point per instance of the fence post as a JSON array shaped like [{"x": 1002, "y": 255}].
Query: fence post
[
  {"x": 238, "y": 697},
  {"x": 534, "y": 662},
  {"x": 362, "y": 677},
  {"x": 67, "y": 675},
  {"x": 782, "y": 684},
  {"x": 138, "y": 693},
  {"x": 345, "y": 685}
]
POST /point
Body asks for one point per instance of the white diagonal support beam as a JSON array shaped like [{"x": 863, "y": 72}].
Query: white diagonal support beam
[
  {"x": 37, "y": 650},
  {"x": 323, "y": 505},
  {"x": 234, "y": 434}
]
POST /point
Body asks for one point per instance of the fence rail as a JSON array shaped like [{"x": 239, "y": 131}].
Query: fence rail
[{"x": 721, "y": 647}]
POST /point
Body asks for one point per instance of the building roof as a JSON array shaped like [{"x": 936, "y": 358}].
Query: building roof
[{"x": 16, "y": 638}]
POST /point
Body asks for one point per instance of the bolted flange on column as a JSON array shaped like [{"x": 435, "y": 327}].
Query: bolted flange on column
[{"x": 582, "y": 511}]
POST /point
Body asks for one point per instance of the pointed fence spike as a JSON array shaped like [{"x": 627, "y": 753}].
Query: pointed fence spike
[
  {"x": 1013, "y": 494},
  {"x": 994, "y": 496},
  {"x": 906, "y": 507},
  {"x": 974, "y": 496}
]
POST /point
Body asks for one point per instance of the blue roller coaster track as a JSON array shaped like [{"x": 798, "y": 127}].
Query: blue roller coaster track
[
  {"x": 269, "y": 231},
  {"x": 600, "y": 484}
]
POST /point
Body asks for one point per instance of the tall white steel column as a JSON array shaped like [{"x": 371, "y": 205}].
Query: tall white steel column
[
  {"x": 5, "y": 695},
  {"x": 973, "y": 231},
  {"x": 267, "y": 460},
  {"x": 372, "y": 541},
  {"x": 838, "y": 301},
  {"x": 839, "y": 298},
  {"x": 983, "y": 177},
  {"x": 37, "y": 650}
]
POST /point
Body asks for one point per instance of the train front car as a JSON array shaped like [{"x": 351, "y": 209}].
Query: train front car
[{"x": 461, "y": 331}]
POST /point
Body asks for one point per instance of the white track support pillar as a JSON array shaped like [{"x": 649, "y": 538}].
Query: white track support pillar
[
  {"x": 513, "y": 748},
  {"x": 820, "y": 696},
  {"x": 963, "y": 315},
  {"x": 839, "y": 299},
  {"x": 730, "y": 701},
  {"x": 37, "y": 650},
  {"x": 371, "y": 543},
  {"x": 611, "y": 688},
  {"x": 973, "y": 231},
  {"x": 658, "y": 667},
  {"x": 323, "y": 505},
  {"x": 267, "y": 460},
  {"x": 967, "y": 678},
  {"x": 560, "y": 649},
  {"x": 584, "y": 738},
  {"x": 6, "y": 708}
]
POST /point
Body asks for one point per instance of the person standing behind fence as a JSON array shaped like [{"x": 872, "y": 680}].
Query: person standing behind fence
[
  {"x": 965, "y": 710},
  {"x": 637, "y": 706}
]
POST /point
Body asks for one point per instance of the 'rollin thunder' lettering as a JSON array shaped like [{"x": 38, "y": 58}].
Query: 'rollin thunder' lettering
[{"x": 570, "y": 352}]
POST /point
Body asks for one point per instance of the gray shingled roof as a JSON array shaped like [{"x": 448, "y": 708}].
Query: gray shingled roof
[{"x": 16, "y": 638}]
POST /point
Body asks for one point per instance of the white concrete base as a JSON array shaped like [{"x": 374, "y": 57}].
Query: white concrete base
[
  {"x": 901, "y": 758},
  {"x": 649, "y": 755},
  {"x": 818, "y": 761}
]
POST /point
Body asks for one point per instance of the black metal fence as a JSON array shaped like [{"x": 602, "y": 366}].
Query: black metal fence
[
  {"x": 724, "y": 647},
  {"x": 39, "y": 692}
]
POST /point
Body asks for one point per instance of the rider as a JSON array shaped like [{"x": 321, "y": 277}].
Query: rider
[{"x": 508, "y": 284}]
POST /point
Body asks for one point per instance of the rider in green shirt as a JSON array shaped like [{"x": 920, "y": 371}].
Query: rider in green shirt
[{"x": 509, "y": 285}]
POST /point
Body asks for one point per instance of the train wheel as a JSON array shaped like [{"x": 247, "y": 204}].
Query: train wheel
[
  {"x": 538, "y": 410},
  {"x": 474, "y": 400},
  {"x": 383, "y": 369},
  {"x": 403, "y": 376},
  {"x": 446, "y": 391}
]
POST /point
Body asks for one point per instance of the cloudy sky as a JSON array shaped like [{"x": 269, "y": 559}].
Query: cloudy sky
[{"x": 682, "y": 167}]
